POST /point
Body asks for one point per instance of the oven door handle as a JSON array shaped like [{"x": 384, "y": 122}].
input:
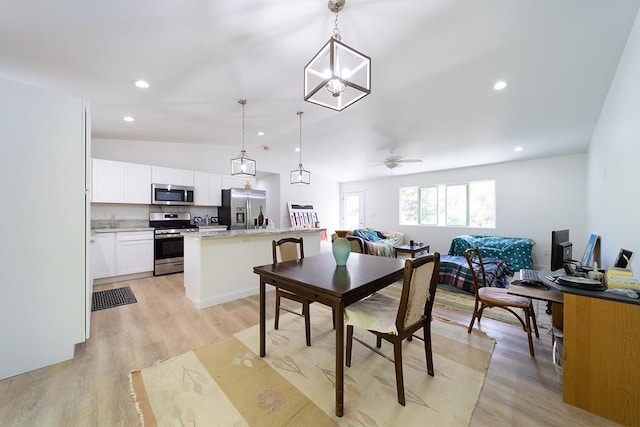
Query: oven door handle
[{"x": 169, "y": 236}]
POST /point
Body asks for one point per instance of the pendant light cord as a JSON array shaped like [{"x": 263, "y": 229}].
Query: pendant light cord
[
  {"x": 242, "y": 102},
  {"x": 300, "y": 143}
]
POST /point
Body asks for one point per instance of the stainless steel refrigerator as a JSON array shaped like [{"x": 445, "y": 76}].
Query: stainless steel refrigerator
[{"x": 241, "y": 208}]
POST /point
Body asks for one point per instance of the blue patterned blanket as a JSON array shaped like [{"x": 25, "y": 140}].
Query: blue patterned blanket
[{"x": 514, "y": 251}]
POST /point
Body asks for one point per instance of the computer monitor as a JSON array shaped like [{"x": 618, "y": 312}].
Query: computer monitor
[{"x": 561, "y": 249}]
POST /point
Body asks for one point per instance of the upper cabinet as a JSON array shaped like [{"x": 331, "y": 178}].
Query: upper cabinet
[
  {"x": 120, "y": 182},
  {"x": 161, "y": 175},
  {"x": 207, "y": 189}
]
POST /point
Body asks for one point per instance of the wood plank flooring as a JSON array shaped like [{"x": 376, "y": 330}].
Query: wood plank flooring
[{"x": 93, "y": 388}]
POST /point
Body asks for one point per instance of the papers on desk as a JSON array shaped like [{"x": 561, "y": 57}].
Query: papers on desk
[
  {"x": 621, "y": 278},
  {"x": 581, "y": 283}
]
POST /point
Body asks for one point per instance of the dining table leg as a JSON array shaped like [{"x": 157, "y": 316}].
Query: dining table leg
[
  {"x": 339, "y": 359},
  {"x": 263, "y": 315}
]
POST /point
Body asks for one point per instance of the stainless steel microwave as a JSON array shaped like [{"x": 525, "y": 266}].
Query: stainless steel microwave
[{"x": 165, "y": 194}]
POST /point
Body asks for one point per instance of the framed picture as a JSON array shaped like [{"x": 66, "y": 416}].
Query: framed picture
[
  {"x": 591, "y": 252},
  {"x": 624, "y": 259}
]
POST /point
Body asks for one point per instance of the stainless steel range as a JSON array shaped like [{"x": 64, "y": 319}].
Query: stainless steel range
[{"x": 169, "y": 243}]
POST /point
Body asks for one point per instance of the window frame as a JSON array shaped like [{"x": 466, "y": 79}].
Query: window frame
[{"x": 442, "y": 207}]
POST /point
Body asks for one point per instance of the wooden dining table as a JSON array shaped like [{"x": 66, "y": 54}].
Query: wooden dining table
[{"x": 319, "y": 279}]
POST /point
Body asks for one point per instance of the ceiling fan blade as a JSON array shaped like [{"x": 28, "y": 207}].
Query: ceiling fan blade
[{"x": 409, "y": 161}]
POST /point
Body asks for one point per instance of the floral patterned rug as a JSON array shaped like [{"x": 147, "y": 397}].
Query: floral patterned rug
[{"x": 226, "y": 383}]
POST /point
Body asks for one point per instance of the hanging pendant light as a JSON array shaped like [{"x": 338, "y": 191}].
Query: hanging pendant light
[
  {"x": 242, "y": 165},
  {"x": 338, "y": 75},
  {"x": 300, "y": 175}
]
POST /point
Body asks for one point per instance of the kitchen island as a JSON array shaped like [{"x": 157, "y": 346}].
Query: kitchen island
[{"x": 218, "y": 265}]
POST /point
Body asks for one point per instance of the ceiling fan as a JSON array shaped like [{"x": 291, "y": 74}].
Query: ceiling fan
[{"x": 395, "y": 160}]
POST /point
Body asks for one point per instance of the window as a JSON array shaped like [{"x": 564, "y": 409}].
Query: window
[{"x": 455, "y": 205}]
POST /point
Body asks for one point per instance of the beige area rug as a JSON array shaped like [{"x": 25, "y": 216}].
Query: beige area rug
[
  {"x": 226, "y": 383},
  {"x": 464, "y": 301}
]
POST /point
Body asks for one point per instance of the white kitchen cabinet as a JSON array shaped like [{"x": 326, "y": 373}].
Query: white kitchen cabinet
[
  {"x": 184, "y": 177},
  {"x": 122, "y": 252},
  {"x": 236, "y": 182},
  {"x": 108, "y": 181},
  {"x": 134, "y": 252},
  {"x": 103, "y": 261},
  {"x": 137, "y": 183},
  {"x": 207, "y": 189},
  {"x": 121, "y": 182},
  {"x": 162, "y": 175}
]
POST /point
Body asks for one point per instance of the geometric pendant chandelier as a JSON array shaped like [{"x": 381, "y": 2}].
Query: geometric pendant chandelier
[
  {"x": 242, "y": 165},
  {"x": 338, "y": 75},
  {"x": 300, "y": 175}
]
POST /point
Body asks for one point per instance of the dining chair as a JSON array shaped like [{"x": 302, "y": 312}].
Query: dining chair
[
  {"x": 357, "y": 244},
  {"x": 489, "y": 297},
  {"x": 291, "y": 248},
  {"x": 395, "y": 319}
]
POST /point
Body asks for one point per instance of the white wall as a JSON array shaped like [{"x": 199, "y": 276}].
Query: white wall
[
  {"x": 614, "y": 160},
  {"x": 43, "y": 228},
  {"x": 533, "y": 198},
  {"x": 323, "y": 192}
]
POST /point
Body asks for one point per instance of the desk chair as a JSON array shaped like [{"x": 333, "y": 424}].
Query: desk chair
[
  {"x": 394, "y": 319},
  {"x": 289, "y": 248},
  {"x": 488, "y": 297}
]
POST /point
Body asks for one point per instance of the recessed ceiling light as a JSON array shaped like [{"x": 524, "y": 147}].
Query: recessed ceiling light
[
  {"x": 260, "y": 133},
  {"x": 297, "y": 149},
  {"x": 128, "y": 119},
  {"x": 518, "y": 148},
  {"x": 500, "y": 84},
  {"x": 141, "y": 84}
]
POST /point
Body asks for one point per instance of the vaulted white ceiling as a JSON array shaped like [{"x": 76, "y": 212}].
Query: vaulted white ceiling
[{"x": 434, "y": 63}]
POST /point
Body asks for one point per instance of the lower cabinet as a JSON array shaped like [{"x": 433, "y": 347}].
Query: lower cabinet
[
  {"x": 120, "y": 253},
  {"x": 103, "y": 252},
  {"x": 134, "y": 252}
]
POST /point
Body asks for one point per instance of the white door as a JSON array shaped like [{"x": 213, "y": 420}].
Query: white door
[{"x": 353, "y": 210}]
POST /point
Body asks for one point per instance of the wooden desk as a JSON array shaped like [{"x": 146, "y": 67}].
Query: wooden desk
[
  {"x": 601, "y": 367},
  {"x": 413, "y": 250},
  {"x": 601, "y": 363},
  {"x": 318, "y": 278}
]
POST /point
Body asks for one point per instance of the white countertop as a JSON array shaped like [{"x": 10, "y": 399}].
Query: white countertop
[
  {"x": 225, "y": 234},
  {"x": 119, "y": 229}
]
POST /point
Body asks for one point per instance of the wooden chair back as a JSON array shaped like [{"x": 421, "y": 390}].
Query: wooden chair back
[
  {"x": 418, "y": 290},
  {"x": 474, "y": 260},
  {"x": 290, "y": 249},
  {"x": 356, "y": 244}
]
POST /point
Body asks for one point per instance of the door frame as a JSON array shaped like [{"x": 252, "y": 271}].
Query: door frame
[{"x": 360, "y": 194}]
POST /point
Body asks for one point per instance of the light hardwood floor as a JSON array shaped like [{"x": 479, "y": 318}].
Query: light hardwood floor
[{"x": 93, "y": 389}]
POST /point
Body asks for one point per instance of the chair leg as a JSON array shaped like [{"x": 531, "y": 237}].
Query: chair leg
[
  {"x": 277, "y": 321},
  {"x": 527, "y": 314},
  {"x": 427, "y": 348},
  {"x": 473, "y": 317},
  {"x": 397, "y": 355},
  {"x": 307, "y": 322},
  {"x": 535, "y": 323},
  {"x": 349, "y": 344}
]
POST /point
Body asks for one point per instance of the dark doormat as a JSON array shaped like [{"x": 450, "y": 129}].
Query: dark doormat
[{"x": 112, "y": 298}]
